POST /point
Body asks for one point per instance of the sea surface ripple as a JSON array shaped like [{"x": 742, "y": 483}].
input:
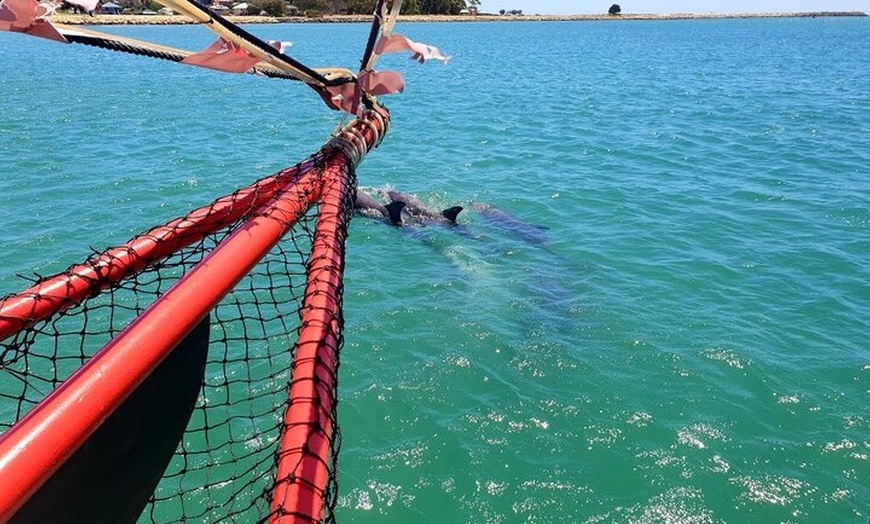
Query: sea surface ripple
[{"x": 672, "y": 327}]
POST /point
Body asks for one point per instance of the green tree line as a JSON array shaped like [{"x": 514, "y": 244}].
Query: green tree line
[{"x": 361, "y": 7}]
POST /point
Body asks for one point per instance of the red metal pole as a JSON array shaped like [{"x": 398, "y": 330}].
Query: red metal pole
[
  {"x": 304, "y": 454},
  {"x": 303, "y": 464},
  {"x": 33, "y": 449},
  {"x": 79, "y": 282}
]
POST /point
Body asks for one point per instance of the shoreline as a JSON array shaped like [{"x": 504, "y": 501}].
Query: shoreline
[{"x": 72, "y": 19}]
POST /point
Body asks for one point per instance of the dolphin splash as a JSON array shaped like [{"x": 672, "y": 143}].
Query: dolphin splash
[
  {"x": 402, "y": 210},
  {"x": 407, "y": 210},
  {"x": 422, "y": 213},
  {"x": 368, "y": 206}
]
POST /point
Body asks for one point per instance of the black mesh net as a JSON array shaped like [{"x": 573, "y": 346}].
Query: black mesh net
[{"x": 224, "y": 468}]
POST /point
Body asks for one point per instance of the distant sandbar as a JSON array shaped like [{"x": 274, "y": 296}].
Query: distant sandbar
[{"x": 67, "y": 18}]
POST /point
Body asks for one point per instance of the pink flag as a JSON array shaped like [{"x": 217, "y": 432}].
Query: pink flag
[
  {"x": 45, "y": 29},
  {"x": 7, "y": 18},
  {"x": 88, "y": 5},
  {"x": 223, "y": 56},
  {"x": 381, "y": 83},
  {"x": 29, "y": 17},
  {"x": 280, "y": 46},
  {"x": 18, "y": 15},
  {"x": 397, "y": 43},
  {"x": 344, "y": 97}
]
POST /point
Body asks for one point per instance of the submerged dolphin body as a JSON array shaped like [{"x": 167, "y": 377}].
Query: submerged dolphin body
[
  {"x": 371, "y": 207},
  {"x": 418, "y": 210},
  {"x": 531, "y": 233}
]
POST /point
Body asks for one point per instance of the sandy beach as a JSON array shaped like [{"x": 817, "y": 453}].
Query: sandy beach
[{"x": 67, "y": 18}]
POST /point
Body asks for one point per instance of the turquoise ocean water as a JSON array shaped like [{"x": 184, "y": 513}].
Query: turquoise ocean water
[{"x": 688, "y": 343}]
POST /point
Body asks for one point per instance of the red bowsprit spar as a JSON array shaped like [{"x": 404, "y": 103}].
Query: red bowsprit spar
[
  {"x": 191, "y": 374},
  {"x": 96, "y": 447}
]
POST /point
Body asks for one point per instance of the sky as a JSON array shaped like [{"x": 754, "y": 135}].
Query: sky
[{"x": 567, "y": 7}]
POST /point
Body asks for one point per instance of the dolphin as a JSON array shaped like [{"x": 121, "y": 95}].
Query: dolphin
[
  {"x": 370, "y": 207},
  {"x": 418, "y": 210},
  {"x": 531, "y": 233}
]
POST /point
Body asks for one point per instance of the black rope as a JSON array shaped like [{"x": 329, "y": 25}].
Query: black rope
[
  {"x": 275, "y": 73},
  {"x": 215, "y": 18},
  {"x": 373, "y": 35},
  {"x": 125, "y": 47},
  {"x": 261, "y": 45},
  {"x": 140, "y": 50}
]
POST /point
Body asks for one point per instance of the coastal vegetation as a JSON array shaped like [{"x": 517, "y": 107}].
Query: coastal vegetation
[
  {"x": 133, "y": 16},
  {"x": 311, "y": 8},
  {"x": 410, "y": 7}
]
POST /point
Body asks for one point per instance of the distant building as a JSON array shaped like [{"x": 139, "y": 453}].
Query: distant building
[{"x": 111, "y": 9}]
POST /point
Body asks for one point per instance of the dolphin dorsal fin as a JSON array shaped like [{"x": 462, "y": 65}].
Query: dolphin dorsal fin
[
  {"x": 451, "y": 213},
  {"x": 395, "y": 211}
]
